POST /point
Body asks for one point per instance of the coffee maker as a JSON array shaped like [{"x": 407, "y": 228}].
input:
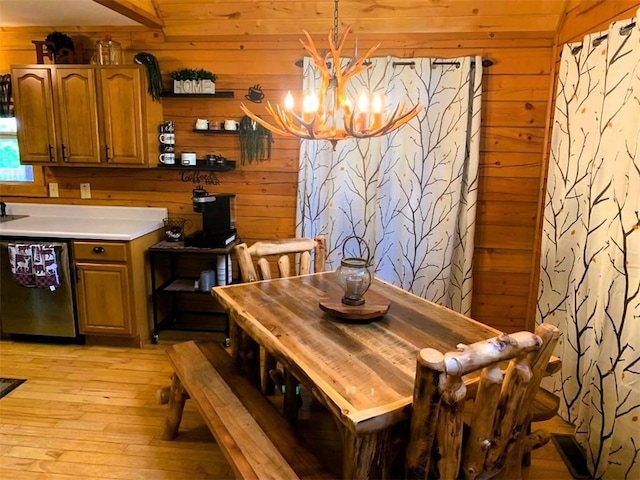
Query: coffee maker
[{"x": 218, "y": 220}]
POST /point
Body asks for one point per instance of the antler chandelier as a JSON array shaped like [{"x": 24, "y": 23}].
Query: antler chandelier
[{"x": 329, "y": 114}]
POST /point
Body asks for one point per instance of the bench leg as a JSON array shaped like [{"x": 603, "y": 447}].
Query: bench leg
[
  {"x": 176, "y": 406},
  {"x": 162, "y": 395}
]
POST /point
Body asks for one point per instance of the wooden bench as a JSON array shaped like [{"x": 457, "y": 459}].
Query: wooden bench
[{"x": 252, "y": 434}]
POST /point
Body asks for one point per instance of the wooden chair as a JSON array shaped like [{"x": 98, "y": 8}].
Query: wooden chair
[
  {"x": 497, "y": 438},
  {"x": 292, "y": 257},
  {"x": 280, "y": 251}
]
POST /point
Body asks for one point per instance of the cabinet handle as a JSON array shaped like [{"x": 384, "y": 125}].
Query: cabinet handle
[
  {"x": 98, "y": 249},
  {"x": 50, "y": 153},
  {"x": 64, "y": 153},
  {"x": 106, "y": 151}
]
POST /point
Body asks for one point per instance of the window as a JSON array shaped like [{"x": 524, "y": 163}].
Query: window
[
  {"x": 16, "y": 179},
  {"x": 10, "y": 168}
]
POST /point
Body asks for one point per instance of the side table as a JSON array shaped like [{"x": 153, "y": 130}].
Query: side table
[{"x": 175, "y": 282}]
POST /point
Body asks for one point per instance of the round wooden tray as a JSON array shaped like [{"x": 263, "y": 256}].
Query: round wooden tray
[{"x": 375, "y": 306}]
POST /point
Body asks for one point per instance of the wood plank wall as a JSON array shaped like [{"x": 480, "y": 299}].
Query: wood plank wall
[
  {"x": 515, "y": 101},
  {"x": 581, "y": 18},
  {"x": 514, "y": 105}
]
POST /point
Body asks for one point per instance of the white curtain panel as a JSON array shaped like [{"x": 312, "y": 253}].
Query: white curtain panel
[
  {"x": 590, "y": 261},
  {"x": 411, "y": 195}
]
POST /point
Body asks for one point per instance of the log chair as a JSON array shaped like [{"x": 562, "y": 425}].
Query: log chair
[
  {"x": 496, "y": 439},
  {"x": 255, "y": 263}
]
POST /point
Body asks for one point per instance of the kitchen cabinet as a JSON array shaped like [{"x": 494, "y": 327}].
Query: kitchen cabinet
[
  {"x": 85, "y": 115},
  {"x": 104, "y": 303},
  {"x": 113, "y": 290}
]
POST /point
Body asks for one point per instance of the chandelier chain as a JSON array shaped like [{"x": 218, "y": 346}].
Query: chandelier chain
[{"x": 335, "y": 23}]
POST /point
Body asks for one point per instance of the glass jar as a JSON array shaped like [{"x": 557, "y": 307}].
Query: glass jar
[
  {"x": 355, "y": 279},
  {"x": 353, "y": 275},
  {"x": 108, "y": 52}
]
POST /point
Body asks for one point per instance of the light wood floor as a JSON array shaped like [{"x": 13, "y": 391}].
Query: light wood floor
[{"x": 90, "y": 412}]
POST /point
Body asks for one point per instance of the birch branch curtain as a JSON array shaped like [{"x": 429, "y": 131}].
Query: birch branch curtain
[
  {"x": 411, "y": 195},
  {"x": 590, "y": 263}
]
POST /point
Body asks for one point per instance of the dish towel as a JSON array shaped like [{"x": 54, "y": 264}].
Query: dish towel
[{"x": 34, "y": 265}]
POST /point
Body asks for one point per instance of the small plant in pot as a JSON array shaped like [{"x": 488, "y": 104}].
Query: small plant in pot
[
  {"x": 255, "y": 141},
  {"x": 190, "y": 80}
]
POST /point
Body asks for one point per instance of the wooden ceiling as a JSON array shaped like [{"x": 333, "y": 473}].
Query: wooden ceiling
[
  {"x": 250, "y": 19},
  {"x": 229, "y": 18}
]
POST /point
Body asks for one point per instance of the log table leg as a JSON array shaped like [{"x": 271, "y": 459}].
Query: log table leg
[
  {"x": 234, "y": 332},
  {"x": 177, "y": 398},
  {"x": 366, "y": 456},
  {"x": 291, "y": 402},
  {"x": 268, "y": 363},
  {"x": 245, "y": 351}
]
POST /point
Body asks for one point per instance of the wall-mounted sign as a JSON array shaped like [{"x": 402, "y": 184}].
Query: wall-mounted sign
[{"x": 197, "y": 177}]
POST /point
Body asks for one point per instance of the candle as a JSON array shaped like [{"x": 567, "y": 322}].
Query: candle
[
  {"x": 309, "y": 107},
  {"x": 354, "y": 287},
  {"x": 288, "y": 101},
  {"x": 376, "y": 108},
  {"x": 363, "y": 115},
  {"x": 306, "y": 109}
]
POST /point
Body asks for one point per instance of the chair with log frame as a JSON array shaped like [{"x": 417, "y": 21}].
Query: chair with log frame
[
  {"x": 255, "y": 263},
  {"x": 497, "y": 438}
]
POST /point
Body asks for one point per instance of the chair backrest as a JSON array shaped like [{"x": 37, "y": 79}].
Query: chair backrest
[
  {"x": 493, "y": 443},
  {"x": 288, "y": 252}
]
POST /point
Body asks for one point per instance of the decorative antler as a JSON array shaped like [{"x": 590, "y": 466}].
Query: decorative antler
[{"x": 322, "y": 123}]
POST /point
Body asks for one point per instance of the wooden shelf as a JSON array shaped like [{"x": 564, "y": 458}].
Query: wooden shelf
[
  {"x": 219, "y": 94},
  {"x": 201, "y": 165},
  {"x": 215, "y": 132},
  {"x": 173, "y": 286},
  {"x": 184, "y": 285}
]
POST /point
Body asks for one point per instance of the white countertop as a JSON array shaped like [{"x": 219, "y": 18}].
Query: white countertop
[{"x": 81, "y": 222}]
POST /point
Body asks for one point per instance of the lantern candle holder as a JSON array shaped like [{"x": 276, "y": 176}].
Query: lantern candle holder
[
  {"x": 354, "y": 277},
  {"x": 353, "y": 274}
]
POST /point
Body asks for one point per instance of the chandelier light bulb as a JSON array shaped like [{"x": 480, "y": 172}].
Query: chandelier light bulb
[
  {"x": 288, "y": 101},
  {"x": 309, "y": 107},
  {"x": 363, "y": 102}
]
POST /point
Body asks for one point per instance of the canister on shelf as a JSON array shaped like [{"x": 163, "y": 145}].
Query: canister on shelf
[
  {"x": 108, "y": 51},
  {"x": 207, "y": 280}
]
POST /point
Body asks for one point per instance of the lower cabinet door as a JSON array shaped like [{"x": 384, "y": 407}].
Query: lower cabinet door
[{"x": 104, "y": 299}]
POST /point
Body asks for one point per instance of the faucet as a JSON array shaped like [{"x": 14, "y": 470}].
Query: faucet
[{"x": 3, "y": 209}]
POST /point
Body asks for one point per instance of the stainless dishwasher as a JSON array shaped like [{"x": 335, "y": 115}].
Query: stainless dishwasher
[{"x": 38, "y": 311}]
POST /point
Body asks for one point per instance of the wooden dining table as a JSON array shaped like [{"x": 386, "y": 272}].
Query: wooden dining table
[{"x": 362, "y": 371}]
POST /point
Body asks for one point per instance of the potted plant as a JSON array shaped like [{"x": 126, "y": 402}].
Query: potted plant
[
  {"x": 190, "y": 80},
  {"x": 255, "y": 141}
]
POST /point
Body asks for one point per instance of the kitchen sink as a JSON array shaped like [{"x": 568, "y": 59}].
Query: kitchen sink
[{"x": 8, "y": 218}]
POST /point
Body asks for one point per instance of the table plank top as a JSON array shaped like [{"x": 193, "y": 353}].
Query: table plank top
[{"x": 363, "y": 372}]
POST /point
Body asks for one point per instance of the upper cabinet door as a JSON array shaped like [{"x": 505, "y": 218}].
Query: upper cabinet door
[
  {"x": 85, "y": 115},
  {"x": 122, "y": 97},
  {"x": 77, "y": 115},
  {"x": 33, "y": 98}
]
